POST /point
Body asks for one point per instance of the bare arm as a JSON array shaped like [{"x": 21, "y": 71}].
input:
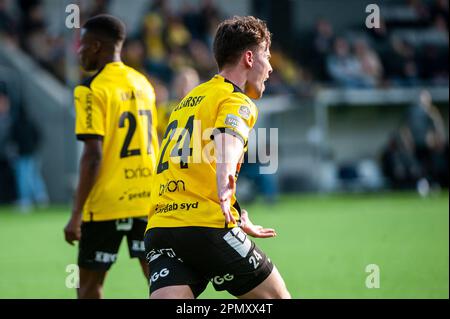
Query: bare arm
[
  {"x": 229, "y": 150},
  {"x": 89, "y": 168}
]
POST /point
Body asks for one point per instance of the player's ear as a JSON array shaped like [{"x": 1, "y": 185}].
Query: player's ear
[
  {"x": 248, "y": 58},
  {"x": 96, "y": 46}
]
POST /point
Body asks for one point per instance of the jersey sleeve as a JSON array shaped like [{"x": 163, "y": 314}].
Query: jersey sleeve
[
  {"x": 90, "y": 114},
  {"x": 236, "y": 116}
]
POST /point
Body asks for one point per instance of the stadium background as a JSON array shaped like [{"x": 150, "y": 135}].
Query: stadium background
[{"x": 349, "y": 190}]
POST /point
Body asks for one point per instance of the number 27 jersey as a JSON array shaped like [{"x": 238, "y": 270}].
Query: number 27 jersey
[{"x": 117, "y": 106}]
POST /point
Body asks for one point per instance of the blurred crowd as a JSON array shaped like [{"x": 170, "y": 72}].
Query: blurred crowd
[
  {"x": 20, "y": 173},
  {"x": 173, "y": 48},
  {"x": 410, "y": 47},
  {"x": 25, "y": 26}
]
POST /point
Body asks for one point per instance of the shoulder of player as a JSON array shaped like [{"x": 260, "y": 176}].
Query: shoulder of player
[
  {"x": 234, "y": 93},
  {"x": 91, "y": 81},
  {"x": 239, "y": 98},
  {"x": 136, "y": 74},
  {"x": 140, "y": 77}
]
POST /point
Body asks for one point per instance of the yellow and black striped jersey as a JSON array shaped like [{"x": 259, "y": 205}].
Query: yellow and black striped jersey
[
  {"x": 117, "y": 105},
  {"x": 184, "y": 189}
]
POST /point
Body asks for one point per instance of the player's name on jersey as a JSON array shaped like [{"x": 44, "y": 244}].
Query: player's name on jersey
[
  {"x": 189, "y": 102},
  {"x": 132, "y": 95}
]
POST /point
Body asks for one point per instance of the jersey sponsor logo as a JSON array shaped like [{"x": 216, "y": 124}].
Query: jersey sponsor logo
[
  {"x": 166, "y": 208},
  {"x": 137, "y": 245},
  {"x": 171, "y": 186},
  {"x": 189, "y": 102},
  {"x": 244, "y": 111},
  {"x": 218, "y": 280},
  {"x": 135, "y": 173},
  {"x": 132, "y": 195},
  {"x": 159, "y": 274},
  {"x": 236, "y": 122},
  {"x": 88, "y": 110},
  {"x": 104, "y": 257}
]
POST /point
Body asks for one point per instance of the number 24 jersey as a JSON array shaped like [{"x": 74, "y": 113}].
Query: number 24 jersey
[{"x": 184, "y": 188}]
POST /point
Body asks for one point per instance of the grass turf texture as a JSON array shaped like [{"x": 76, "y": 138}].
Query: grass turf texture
[{"x": 323, "y": 245}]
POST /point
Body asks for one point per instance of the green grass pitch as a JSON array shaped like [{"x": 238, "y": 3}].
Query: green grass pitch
[{"x": 323, "y": 246}]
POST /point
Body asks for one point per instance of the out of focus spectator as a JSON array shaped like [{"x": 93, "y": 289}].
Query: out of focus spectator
[
  {"x": 420, "y": 8},
  {"x": 439, "y": 8},
  {"x": 25, "y": 134},
  {"x": 401, "y": 64},
  {"x": 398, "y": 161},
  {"x": 202, "y": 59},
  {"x": 93, "y": 8},
  {"x": 417, "y": 154},
  {"x": 370, "y": 63},
  {"x": 434, "y": 65},
  {"x": 203, "y": 21},
  {"x": 323, "y": 40},
  {"x": 134, "y": 54},
  {"x": 344, "y": 68},
  {"x": 8, "y": 26},
  {"x": 426, "y": 126},
  {"x": 45, "y": 48},
  {"x": 155, "y": 47},
  {"x": 324, "y": 37},
  {"x": 380, "y": 35},
  {"x": 185, "y": 80},
  {"x": 7, "y": 191}
]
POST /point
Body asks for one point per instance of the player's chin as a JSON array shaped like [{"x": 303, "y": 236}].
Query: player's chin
[
  {"x": 261, "y": 91},
  {"x": 258, "y": 93},
  {"x": 88, "y": 67}
]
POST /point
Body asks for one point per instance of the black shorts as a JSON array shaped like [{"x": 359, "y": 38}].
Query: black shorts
[
  {"x": 195, "y": 256},
  {"x": 100, "y": 241}
]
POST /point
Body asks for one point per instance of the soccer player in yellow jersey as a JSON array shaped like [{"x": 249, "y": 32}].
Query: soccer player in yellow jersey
[
  {"x": 196, "y": 231},
  {"x": 116, "y": 120}
]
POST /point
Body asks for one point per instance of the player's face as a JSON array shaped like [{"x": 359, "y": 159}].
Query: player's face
[
  {"x": 259, "y": 71},
  {"x": 88, "y": 51}
]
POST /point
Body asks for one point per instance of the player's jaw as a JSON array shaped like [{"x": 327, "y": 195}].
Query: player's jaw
[
  {"x": 258, "y": 74},
  {"x": 87, "y": 53},
  {"x": 87, "y": 61}
]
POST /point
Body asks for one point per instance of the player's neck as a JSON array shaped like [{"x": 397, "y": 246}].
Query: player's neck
[
  {"x": 236, "y": 76},
  {"x": 115, "y": 57}
]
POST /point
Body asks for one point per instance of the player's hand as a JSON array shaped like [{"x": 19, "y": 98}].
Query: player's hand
[
  {"x": 256, "y": 231},
  {"x": 72, "y": 231},
  {"x": 225, "y": 196}
]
